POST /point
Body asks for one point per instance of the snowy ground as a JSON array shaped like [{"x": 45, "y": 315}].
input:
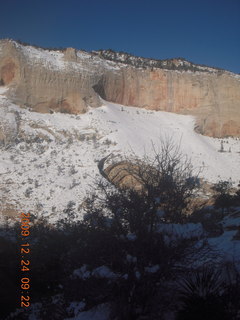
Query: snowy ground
[
  {"x": 54, "y": 161},
  {"x": 55, "y": 158}
]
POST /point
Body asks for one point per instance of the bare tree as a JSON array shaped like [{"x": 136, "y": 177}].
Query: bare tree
[{"x": 159, "y": 188}]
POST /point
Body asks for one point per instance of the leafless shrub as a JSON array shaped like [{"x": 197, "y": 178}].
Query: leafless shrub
[{"x": 166, "y": 180}]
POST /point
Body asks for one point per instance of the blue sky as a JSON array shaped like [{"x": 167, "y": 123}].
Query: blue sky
[{"x": 205, "y": 32}]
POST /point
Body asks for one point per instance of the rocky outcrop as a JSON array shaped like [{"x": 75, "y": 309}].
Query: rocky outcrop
[
  {"x": 121, "y": 174},
  {"x": 71, "y": 80},
  {"x": 43, "y": 81},
  {"x": 214, "y": 98}
]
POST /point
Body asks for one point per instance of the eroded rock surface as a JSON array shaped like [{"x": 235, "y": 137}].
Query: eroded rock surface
[{"x": 71, "y": 80}]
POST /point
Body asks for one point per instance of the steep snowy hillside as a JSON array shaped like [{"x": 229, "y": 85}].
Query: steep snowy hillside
[{"x": 49, "y": 161}]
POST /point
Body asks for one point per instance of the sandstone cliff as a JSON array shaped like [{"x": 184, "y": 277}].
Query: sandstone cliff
[{"x": 70, "y": 81}]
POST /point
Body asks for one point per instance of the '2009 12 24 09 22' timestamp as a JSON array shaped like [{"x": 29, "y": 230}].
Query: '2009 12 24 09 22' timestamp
[{"x": 25, "y": 259}]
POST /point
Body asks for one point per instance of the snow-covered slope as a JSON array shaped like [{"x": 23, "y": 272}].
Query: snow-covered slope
[{"x": 51, "y": 159}]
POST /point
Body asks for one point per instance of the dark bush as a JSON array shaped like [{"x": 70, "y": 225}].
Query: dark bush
[
  {"x": 224, "y": 198},
  {"x": 205, "y": 295}
]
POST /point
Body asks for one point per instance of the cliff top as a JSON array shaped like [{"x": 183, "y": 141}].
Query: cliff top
[
  {"x": 124, "y": 58},
  {"x": 180, "y": 64}
]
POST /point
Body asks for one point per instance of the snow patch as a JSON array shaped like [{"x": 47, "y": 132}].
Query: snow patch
[
  {"x": 99, "y": 272},
  {"x": 101, "y": 312},
  {"x": 176, "y": 231}
]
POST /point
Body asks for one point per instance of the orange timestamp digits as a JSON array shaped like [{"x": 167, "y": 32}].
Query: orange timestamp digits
[{"x": 25, "y": 260}]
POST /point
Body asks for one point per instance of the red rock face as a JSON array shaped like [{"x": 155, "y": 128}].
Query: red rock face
[
  {"x": 77, "y": 80},
  {"x": 231, "y": 128},
  {"x": 7, "y": 72},
  {"x": 214, "y": 99}
]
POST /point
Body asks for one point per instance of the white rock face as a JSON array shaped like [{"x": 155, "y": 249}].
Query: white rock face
[{"x": 70, "y": 81}]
